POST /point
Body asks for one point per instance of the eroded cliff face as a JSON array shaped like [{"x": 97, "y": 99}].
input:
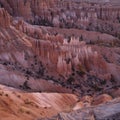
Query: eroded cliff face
[
  {"x": 65, "y": 60},
  {"x": 4, "y": 18},
  {"x": 64, "y": 53},
  {"x": 67, "y": 14}
]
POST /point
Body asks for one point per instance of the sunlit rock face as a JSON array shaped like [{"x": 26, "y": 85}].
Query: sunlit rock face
[{"x": 17, "y": 104}]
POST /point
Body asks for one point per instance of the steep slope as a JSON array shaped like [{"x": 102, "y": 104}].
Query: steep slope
[
  {"x": 110, "y": 110},
  {"x": 29, "y": 53},
  {"x": 19, "y": 104},
  {"x": 16, "y": 104}
]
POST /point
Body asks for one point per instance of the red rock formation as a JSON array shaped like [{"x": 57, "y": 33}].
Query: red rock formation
[
  {"x": 67, "y": 14},
  {"x": 63, "y": 51},
  {"x": 4, "y": 18},
  {"x": 104, "y": 111},
  {"x": 39, "y": 53},
  {"x": 16, "y": 104},
  {"x": 101, "y": 99},
  {"x": 51, "y": 59}
]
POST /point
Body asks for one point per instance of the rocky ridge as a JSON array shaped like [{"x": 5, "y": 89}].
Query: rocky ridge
[
  {"x": 67, "y": 14},
  {"x": 101, "y": 112}
]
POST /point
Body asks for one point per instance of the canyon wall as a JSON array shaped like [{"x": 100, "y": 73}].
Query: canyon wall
[
  {"x": 67, "y": 14},
  {"x": 63, "y": 46},
  {"x": 36, "y": 53}
]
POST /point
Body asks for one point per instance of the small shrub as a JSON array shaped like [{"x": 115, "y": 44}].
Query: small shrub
[
  {"x": 96, "y": 88},
  {"x": 70, "y": 80},
  {"x": 81, "y": 71},
  {"x": 28, "y": 112},
  {"x": 6, "y": 95},
  {"x": 103, "y": 82},
  {"x": 21, "y": 110},
  {"x": 1, "y": 93},
  {"x": 18, "y": 96},
  {"x": 25, "y": 85},
  {"x": 112, "y": 80},
  {"x": 4, "y": 63},
  {"x": 26, "y": 101}
]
